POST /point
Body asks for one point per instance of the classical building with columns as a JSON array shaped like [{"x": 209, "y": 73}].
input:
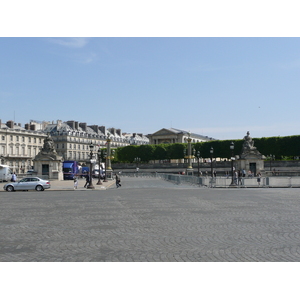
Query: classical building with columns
[{"x": 172, "y": 135}]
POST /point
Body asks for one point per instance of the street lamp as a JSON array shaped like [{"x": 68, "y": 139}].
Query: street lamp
[
  {"x": 108, "y": 170},
  {"x": 90, "y": 186},
  {"x": 198, "y": 158},
  {"x": 137, "y": 160},
  {"x": 232, "y": 158},
  {"x": 99, "y": 164},
  {"x": 189, "y": 170},
  {"x": 104, "y": 152},
  {"x": 211, "y": 161}
]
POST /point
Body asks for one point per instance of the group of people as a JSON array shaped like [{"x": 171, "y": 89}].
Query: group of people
[{"x": 87, "y": 181}]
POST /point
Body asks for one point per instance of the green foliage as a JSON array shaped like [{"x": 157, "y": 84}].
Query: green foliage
[{"x": 282, "y": 147}]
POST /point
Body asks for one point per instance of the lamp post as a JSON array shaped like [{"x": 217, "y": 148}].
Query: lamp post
[
  {"x": 198, "y": 159},
  {"x": 108, "y": 170},
  {"x": 232, "y": 158},
  {"x": 190, "y": 167},
  {"x": 99, "y": 164},
  {"x": 137, "y": 160},
  {"x": 104, "y": 157},
  {"x": 90, "y": 186},
  {"x": 189, "y": 151},
  {"x": 211, "y": 161}
]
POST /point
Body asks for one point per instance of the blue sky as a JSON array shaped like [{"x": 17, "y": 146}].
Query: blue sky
[{"x": 220, "y": 87}]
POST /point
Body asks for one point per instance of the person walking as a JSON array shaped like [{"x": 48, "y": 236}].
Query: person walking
[
  {"x": 118, "y": 180},
  {"x": 75, "y": 182},
  {"x": 258, "y": 178},
  {"x": 240, "y": 178},
  {"x": 13, "y": 177},
  {"x": 244, "y": 173},
  {"x": 87, "y": 180},
  {"x": 235, "y": 177}
]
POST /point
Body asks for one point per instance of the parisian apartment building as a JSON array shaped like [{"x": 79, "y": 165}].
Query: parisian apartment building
[{"x": 19, "y": 145}]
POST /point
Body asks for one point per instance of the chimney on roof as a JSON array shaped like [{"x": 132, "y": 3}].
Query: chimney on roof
[
  {"x": 59, "y": 122},
  {"x": 71, "y": 124},
  {"x": 102, "y": 129},
  {"x": 94, "y": 127},
  {"x": 10, "y": 124},
  {"x": 83, "y": 126},
  {"x": 119, "y": 132},
  {"x": 113, "y": 131},
  {"x": 32, "y": 127}
]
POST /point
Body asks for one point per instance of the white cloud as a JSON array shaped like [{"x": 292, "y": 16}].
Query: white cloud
[{"x": 70, "y": 42}]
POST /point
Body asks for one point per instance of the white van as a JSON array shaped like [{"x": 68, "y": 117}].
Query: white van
[{"x": 5, "y": 173}]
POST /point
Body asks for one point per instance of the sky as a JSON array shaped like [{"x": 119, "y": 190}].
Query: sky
[{"x": 217, "y": 87}]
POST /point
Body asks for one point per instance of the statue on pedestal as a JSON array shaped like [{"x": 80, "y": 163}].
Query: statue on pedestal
[
  {"x": 48, "y": 146},
  {"x": 248, "y": 147},
  {"x": 248, "y": 142}
]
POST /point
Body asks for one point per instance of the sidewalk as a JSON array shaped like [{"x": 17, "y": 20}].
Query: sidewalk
[{"x": 68, "y": 185}]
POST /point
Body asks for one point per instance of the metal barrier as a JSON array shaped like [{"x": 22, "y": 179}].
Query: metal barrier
[{"x": 224, "y": 182}]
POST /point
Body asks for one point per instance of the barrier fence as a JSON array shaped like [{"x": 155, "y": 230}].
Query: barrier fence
[{"x": 272, "y": 181}]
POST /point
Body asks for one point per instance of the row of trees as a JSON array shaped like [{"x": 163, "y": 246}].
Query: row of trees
[{"x": 287, "y": 147}]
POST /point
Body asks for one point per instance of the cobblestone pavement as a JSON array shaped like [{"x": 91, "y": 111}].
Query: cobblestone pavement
[{"x": 151, "y": 220}]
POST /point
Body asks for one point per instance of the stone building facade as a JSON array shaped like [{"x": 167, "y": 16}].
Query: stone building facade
[
  {"x": 18, "y": 146},
  {"x": 72, "y": 139}
]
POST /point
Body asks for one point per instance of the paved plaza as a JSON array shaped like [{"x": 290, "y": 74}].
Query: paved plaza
[{"x": 153, "y": 220}]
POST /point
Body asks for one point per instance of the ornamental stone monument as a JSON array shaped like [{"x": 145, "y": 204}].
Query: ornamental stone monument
[
  {"x": 250, "y": 158},
  {"x": 48, "y": 162}
]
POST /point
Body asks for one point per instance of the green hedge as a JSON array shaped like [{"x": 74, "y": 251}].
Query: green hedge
[{"x": 288, "y": 146}]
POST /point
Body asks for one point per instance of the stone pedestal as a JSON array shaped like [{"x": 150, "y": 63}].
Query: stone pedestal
[
  {"x": 189, "y": 171},
  {"x": 109, "y": 174},
  {"x": 250, "y": 159},
  {"x": 48, "y": 164}
]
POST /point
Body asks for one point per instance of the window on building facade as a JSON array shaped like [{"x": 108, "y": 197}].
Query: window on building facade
[
  {"x": 23, "y": 139},
  {"x": 29, "y": 139},
  {"x": 11, "y": 150},
  {"x": 23, "y": 150},
  {"x": 11, "y": 138},
  {"x": 17, "y": 138},
  {"x": 34, "y": 140},
  {"x": 3, "y": 138}
]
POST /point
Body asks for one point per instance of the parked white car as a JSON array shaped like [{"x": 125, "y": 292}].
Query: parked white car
[{"x": 28, "y": 183}]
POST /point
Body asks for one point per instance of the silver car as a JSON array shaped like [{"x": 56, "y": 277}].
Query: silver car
[{"x": 28, "y": 183}]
